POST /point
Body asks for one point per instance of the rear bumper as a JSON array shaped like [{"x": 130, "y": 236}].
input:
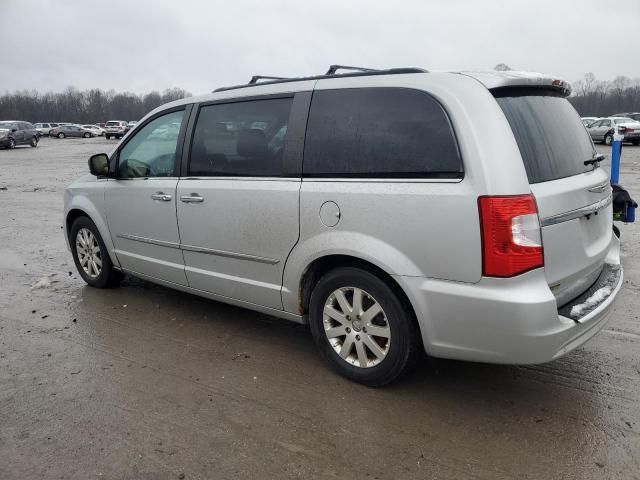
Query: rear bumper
[
  {"x": 4, "y": 142},
  {"x": 512, "y": 321}
]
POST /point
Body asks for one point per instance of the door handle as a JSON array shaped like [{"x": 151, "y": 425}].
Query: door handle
[
  {"x": 165, "y": 197},
  {"x": 192, "y": 198}
]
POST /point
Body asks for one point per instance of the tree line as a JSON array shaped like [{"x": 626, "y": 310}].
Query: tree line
[
  {"x": 88, "y": 106},
  {"x": 599, "y": 98},
  {"x": 590, "y": 97}
]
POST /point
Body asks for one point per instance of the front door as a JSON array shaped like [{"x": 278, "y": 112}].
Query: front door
[
  {"x": 141, "y": 202},
  {"x": 238, "y": 205}
]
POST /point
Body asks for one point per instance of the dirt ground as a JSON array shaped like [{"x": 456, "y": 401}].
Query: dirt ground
[{"x": 142, "y": 382}]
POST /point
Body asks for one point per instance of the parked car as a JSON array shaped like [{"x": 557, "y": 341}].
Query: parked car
[
  {"x": 586, "y": 121},
  {"x": 602, "y": 130},
  {"x": 115, "y": 128},
  {"x": 95, "y": 129},
  {"x": 389, "y": 210},
  {"x": 63, "y": 131},
  {"x": 45, "y": 128},
  {"x": 632, "y": 115},
  {"x": 15, "y": 132}
]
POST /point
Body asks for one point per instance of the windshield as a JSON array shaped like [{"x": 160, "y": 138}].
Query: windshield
[
  {"x": 552, "y": 139},
  {"x": 624, "y": 120}
]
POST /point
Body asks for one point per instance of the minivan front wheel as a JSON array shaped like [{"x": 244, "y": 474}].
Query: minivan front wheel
[
  {"x": 361, "y": 327},
  {"x": 608, "y": 138},
  {"x": 90, "y": 255}
]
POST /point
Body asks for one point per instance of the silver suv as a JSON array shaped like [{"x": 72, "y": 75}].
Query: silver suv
[
  {"x": 393, "y": 211},
  {"x": 115, "y": 128}
]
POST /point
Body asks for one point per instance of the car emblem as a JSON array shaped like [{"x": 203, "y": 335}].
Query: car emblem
[{"x": 599, "y": 188}]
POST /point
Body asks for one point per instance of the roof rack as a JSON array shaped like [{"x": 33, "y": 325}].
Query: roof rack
[
  {"x": 331, "y": 73},
  {"x": 334, "y": 68},
  {"x": 255, "y": 78}
]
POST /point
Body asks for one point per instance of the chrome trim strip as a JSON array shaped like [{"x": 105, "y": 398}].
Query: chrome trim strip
[
  {"x": 193, "y": 248},
  {"x": 573, "y": 214},
  {"x": 151, "y": 241},
  {"x": 223, "y": 253}
]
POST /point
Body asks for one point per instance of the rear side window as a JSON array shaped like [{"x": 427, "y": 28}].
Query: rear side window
[
  {"x": 241, "y": 139},
  {"x": 552, "y": 140},
  {"x": 379, "y": 132}
]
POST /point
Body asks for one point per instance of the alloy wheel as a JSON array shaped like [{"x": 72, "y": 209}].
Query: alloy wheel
[
  {"x": 356, "y": 327},
  {"x": 88, "y": 251}
]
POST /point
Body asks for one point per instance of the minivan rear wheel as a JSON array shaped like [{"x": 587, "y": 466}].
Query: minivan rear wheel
[
  {"x": 361, "y": 327},
  {"x": 90, "y": 255}
]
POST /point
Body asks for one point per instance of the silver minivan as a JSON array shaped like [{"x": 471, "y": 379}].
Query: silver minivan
[{"x": 393, "y": 211}]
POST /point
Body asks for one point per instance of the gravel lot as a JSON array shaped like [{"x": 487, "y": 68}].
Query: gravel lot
[{"x": 142, "y": 382}]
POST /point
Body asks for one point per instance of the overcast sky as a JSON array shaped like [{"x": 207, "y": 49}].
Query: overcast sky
[{"x": 142, "y": 45}]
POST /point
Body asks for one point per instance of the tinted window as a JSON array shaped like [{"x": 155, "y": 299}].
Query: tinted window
[
  {"x": 552, "y": 141},
  {"x": 151, "y": 152},
  {"x": 379, "y": 132},
  {"x": 240, "y": 139}
]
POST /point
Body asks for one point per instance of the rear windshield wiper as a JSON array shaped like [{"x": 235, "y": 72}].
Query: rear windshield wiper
[{"x": 594, "y": 160}]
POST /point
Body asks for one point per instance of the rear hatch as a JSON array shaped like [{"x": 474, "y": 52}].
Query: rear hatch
[{"x": 573, "y": 199}]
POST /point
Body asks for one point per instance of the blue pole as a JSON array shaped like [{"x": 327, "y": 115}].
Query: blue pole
[{"x": 616, "y": 151}]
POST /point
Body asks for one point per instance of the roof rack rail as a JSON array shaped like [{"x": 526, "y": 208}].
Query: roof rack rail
[
  {"x": 255, "y": 78},
  {"x": 334, "y": 68},
  {"x": 331, "y": 73}
]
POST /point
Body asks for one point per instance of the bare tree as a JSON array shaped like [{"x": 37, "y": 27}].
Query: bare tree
[{"x": 91, "y": 106}]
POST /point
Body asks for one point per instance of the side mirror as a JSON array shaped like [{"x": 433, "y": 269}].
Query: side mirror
[{"x": 99, "y": 165}]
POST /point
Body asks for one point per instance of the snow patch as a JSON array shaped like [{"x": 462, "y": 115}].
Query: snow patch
[
  {"x": 597, "y": 297},
  {"x": 44, "y": 282}
]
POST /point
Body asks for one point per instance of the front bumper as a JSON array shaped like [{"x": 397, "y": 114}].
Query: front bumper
[{"x": 512, "y": 321}]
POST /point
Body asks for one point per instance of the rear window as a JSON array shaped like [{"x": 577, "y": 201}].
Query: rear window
[
  {"x": 553, "y": 141},
  {"x": 113, "y": 124},
  {"x": 379, "y": 132}
]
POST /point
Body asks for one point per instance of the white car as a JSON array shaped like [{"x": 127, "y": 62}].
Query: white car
[
  {"x": 95, "y": 129},
  {"x": 586, "y": 121},
  {"x": 45, "y": 128},
  {"x": 602, "y": 130}
]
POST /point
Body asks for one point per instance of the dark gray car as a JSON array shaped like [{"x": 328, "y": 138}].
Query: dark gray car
[
  {"x": 15, "y": 132},
  {"x": 70, "y": 131}
]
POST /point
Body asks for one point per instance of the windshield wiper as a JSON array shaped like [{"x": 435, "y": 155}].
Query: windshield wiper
[{"x": 597, "y": 159}]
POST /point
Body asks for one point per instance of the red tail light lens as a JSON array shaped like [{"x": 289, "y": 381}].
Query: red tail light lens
[{"x": 511, "y": 239}]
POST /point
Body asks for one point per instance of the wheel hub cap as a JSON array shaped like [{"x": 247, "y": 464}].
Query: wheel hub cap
[
  {"x": 356, "y": 327},
  {"x": 88, "y": 252}
]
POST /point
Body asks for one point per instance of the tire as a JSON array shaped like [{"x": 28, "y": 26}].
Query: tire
[
  {"x": 608, "y": 138},
  {"x": 12, "y": 144},
  {"x": 108, "y": 137},
  {"x": 61, "y": 135},
  {"x": 635, "y": 142},
  {"x": 84, "y": 230},
  {"x": 396, "y": 352},
  {"x": 34, "y": 142},
  {"x": 86, "y": 135}
]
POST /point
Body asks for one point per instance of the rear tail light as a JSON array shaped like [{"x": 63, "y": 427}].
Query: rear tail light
[{"x": 511, "y": 239}]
